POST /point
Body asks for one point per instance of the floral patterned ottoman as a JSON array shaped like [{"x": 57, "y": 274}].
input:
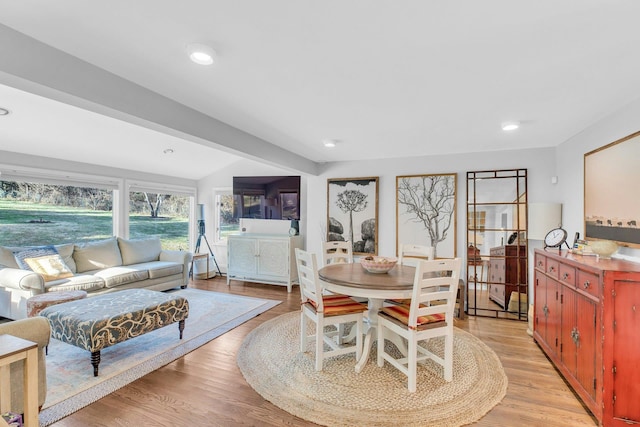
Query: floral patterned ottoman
[{"x": 104, "y": 320}]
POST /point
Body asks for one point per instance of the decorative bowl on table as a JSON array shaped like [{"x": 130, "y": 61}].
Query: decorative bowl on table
[{"x": 378, "y": 264}]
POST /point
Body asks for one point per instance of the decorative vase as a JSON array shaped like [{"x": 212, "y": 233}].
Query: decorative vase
[{"x": 604, "y": 248}]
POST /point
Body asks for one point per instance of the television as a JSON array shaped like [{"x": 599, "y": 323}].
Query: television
[{"x": 266, "y": 197}]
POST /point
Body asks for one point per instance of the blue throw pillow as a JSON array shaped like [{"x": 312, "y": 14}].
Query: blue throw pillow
[{"x": 35, "y": 252}]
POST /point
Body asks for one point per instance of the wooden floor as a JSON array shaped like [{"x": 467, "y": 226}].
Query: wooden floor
[{"x": 205, "y": 387}]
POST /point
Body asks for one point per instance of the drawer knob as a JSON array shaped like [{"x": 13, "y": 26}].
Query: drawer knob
[
  {"x": 565, "y": 276},
  {"x": 586, "y": 284},
  {"x": 575, "y": 336},
  {"x": 552, "y": 269}
]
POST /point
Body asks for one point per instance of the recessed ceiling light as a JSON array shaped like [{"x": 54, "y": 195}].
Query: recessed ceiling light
[
  {"x": 168, "y": 151},
  {"x": 4, "y": 112},
  {"x": 510, "y": 126},
  {"x": 201, "y": 53},
  {"x": 330, "y": 143}
]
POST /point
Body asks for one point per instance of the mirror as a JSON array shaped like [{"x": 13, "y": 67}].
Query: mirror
[{"x": 496, "y": 244}]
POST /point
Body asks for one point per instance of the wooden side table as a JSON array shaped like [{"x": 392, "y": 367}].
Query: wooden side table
[
  {"x": 193, "y": 263},
  {"x": 14, "y": 349}
]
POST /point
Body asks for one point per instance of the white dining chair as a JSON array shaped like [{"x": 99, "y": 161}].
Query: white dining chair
[
  {"x": 337, "y": 251},
  {"x": 429, "y": 315},
  {"x": 409, "y": 254},
  {"x": 325, "y": 310}
]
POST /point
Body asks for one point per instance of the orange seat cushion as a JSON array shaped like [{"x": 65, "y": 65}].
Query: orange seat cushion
[
  {"x": 336, "y": 305},
  {"x": 401, "y": 313}
]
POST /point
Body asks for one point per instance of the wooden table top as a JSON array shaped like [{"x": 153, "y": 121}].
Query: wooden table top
[
  {"x": 398, "y": 281},
  {"x": 10, "y": 345}
]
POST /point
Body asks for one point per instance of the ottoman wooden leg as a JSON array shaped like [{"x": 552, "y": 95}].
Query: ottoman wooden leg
[
  {"x": 181, "y": 327},
  {"x": 95, "y": 361}
]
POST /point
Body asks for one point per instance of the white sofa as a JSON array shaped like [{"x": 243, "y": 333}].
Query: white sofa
[{"x": 96, "y": 267}]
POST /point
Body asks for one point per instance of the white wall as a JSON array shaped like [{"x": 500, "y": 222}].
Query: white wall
[
  {"x": 570, "y": 160},
  {"x": 539, "y": 163},
  {"x": 540, "y": 171},
  {"x": 314, "y": 188}
]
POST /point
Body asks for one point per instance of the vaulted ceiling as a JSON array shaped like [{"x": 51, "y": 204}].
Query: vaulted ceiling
[{"x": 110, "y": 83}]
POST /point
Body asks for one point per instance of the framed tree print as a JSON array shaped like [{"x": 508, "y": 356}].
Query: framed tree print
[
  {"x": 352, "y": 213},
  {"x": 426, "y": 212}
]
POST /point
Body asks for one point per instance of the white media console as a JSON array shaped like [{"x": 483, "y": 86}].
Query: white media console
[{"x": 263, "y": 258}]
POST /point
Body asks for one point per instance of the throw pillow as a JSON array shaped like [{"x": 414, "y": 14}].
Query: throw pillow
[
  {"x": 50, "y": 267},
  {"x": 44, "y": 260},
  {"x": 34, "y": 252}
]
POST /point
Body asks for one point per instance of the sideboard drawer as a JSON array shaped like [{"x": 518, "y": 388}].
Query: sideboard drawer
[
  {"x": 540, "y": 262},
  {"x": 589, "y": 282},
  {"x": 567, "y": 275},
  {"x": 553, "y": 268}
]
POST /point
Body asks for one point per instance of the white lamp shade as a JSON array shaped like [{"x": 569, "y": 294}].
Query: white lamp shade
[
  {"x": 543, "y": 217},
  {"x": 200, "y": 213}
]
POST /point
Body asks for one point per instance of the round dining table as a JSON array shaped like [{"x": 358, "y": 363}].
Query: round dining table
[{"x": 353, "y": 280}]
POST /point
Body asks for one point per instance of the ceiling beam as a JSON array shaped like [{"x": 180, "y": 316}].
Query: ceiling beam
[{"x": 32, "y": 66}]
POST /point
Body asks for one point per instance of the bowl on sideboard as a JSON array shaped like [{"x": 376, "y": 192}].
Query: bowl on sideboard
[{"x": 604, "y": 248}]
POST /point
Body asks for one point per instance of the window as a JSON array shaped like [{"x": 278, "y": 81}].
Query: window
[
  {"x": 162, "y": 215},
  {"x": 476, "y": 220},
  {"x": 37, "y": 213},
  {"x": 289, "y": 203},
  {"x": 226, "y": 223}
]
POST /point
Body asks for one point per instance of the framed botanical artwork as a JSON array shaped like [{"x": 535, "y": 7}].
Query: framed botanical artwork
[
  {"x": 426, "y": 212},
  {"x": 352, "y": 213},
  {"x": 611, "y": 205}
]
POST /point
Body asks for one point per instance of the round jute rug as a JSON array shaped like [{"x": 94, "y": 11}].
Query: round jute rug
[{"x": 272, "y": 364}]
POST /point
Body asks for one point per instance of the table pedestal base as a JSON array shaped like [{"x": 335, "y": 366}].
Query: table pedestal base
[{"x": 371, "y": 334}]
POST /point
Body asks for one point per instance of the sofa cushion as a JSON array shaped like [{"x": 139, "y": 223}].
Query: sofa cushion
[
  {"x": 81, "y": 282},
  {"x": 96, "y": 255},
  {"x": 66, "y": 252},
  {"x": 160, "y": 268},
  {"x": 138, "y": 251},
  {"x": 7, "y": 258},
  {"x": 116, "y": 276}
]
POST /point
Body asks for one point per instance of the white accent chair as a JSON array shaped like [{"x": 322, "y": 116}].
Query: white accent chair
[
  {"x": 337, "y": 251},
  {"x": 409, "y": 254},
  {"x": 429, "y": 315},
  {"x": 324, "y": 310}
]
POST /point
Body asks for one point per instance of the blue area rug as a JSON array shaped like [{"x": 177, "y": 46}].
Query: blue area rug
[{"x": 70, "y": 381}]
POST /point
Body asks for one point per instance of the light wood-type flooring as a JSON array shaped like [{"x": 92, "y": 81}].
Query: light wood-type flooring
[{"x": 206, "y": 388}]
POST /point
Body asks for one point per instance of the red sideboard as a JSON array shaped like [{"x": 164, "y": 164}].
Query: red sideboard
[{"x": 587, "y": 321}]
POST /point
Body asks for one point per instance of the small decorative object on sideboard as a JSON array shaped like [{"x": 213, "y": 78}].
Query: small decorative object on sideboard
[
  {"x": 603, "y": 248},
  {"x": 556, "y": 238}
]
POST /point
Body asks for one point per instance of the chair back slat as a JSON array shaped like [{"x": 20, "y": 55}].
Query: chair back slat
[
  {"x": 412, "y": 254},
  {"x": 337, "y": 252},
  {"x": 435, "y": 289},
  {"x": 310, "y": 288}
]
